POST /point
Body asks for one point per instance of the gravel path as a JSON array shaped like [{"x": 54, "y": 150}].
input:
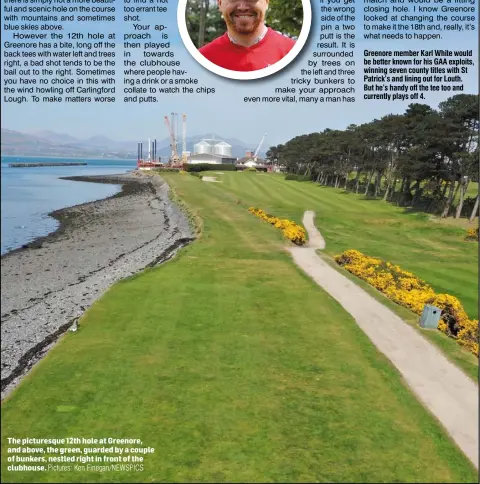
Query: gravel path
[
  {"x": 48, "y": 284},
  {"x": 443, "y": 388}
]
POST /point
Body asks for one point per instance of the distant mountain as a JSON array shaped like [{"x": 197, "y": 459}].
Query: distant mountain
[
  {"x": 101, "y": 142},
  {"x": 14, "y": 140},
  {"x": 15, "y": 143},
  {"x": 45, "y": 134},
  {"x": 50, "y": 143},
  {"x": 107, "y": 143}
]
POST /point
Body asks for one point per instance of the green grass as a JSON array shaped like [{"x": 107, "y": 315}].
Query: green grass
[
  {"x": 233, "y": 365},
  {"x": 472, "y": 190},
  {"x": 437, "y": 253},
  {"x": 434, "y": 252}
]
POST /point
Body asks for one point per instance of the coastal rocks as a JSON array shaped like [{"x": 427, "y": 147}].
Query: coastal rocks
[{"x": 96, "y": 245}]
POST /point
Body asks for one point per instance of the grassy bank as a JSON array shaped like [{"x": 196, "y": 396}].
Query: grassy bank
[
  {"x": 433, "y": 251},
  {"x": 233, "y": 366},
  {"x": 458, "y": 355},
  {"x": 436, "y": 253}
]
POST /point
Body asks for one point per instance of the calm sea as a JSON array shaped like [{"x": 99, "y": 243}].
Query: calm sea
[{"x": 29, "y": 194}]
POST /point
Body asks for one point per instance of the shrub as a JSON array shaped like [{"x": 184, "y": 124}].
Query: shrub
[
  {"x": 409, "y": 291},
  {"x": 472, "y": 234},
  {"x": 168, "y": 170},
  {"x": 250, "y": 168},
  {"x": 468, "y": 336},
  {"x": 291, "y": 230},
  {"x": 453, "y": 314},
  {"x": 197, "y": 167}
]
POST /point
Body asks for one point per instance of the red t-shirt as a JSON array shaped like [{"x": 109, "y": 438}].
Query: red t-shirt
[{"x": 224, "y": 53}]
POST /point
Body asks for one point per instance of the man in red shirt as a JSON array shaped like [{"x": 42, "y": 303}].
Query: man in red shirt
[{"x": 248, "y": 44}]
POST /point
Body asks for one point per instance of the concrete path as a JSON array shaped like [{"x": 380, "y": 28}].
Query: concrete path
[{"x": 443, "y": 388}]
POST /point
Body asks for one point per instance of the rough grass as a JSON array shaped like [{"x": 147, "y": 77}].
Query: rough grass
[
  {"x": 472, "y": 190},
  {"x": 435, "y": 252},
  {"x": 458, "y": 355},
  {"x": 234, "y": 366}
]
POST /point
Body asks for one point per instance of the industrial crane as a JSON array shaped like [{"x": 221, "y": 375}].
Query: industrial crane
[
  {"x": 175, "y": 131},
  {"x": 258, "y": 148},
  {"x": 173, "y": 144},
  {"x": 184, "y": 138}
]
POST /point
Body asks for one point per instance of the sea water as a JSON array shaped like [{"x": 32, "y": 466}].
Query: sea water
[{"x": 29, "y": 194}]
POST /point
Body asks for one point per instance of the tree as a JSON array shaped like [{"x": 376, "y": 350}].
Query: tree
[
  {"x": 461, "y": 111},
  {"x": 432, "y": 149},
  {"x": 286, "y": 16},
  {"x": 475, "y": 210},
  {"x": 204, "y": 5},
  {"x": 393, "y": 139},
  {"x": 204, "y": 22},
  {"x": 423, "y": 145}
]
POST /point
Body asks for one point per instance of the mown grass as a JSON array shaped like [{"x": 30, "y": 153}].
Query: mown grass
[
  {"x": 458, "y": 355},
  {"x": 434, "y": 252},
  {"x": 234, "y": 366},
  {"x": 472, "y": 189}
]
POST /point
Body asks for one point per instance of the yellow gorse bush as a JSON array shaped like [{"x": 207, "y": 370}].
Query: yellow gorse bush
[
  {"x": 468, "y": 335},
  {"x": 409, "y": 291},
  {"x": 472, "y": 234},
  {"x": 291, "y": 230}
]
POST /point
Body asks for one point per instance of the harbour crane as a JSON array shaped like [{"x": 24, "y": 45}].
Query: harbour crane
[
  {"x": 184, "y": 138},
  {"x": 175, "y": 130},
  {"x": 258, "y": 148},
  {"x": 173, "y": 144}
]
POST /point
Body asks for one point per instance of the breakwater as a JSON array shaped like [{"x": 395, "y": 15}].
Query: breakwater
[{"x": 31, "y": 165}]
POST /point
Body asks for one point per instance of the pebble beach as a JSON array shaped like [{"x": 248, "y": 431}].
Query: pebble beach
[{"x": 49, "y": 283}]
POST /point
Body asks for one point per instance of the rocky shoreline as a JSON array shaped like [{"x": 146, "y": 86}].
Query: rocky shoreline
[{"x": 49, "y": 283}]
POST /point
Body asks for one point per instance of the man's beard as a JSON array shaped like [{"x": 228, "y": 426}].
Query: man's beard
[{"x": 247, "y": 26}]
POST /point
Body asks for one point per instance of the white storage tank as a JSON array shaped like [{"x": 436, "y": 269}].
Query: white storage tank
[
  {"x": 203, "y": 147},
  {"x": 223, "y": 149}
]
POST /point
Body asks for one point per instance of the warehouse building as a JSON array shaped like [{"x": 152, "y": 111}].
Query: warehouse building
[
  {"x": 212, "y": 151},
  {"x": 212, "y": 159}
]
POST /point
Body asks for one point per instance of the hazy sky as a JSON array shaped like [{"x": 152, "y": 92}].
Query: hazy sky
[{"x": 225, "y": 112}]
